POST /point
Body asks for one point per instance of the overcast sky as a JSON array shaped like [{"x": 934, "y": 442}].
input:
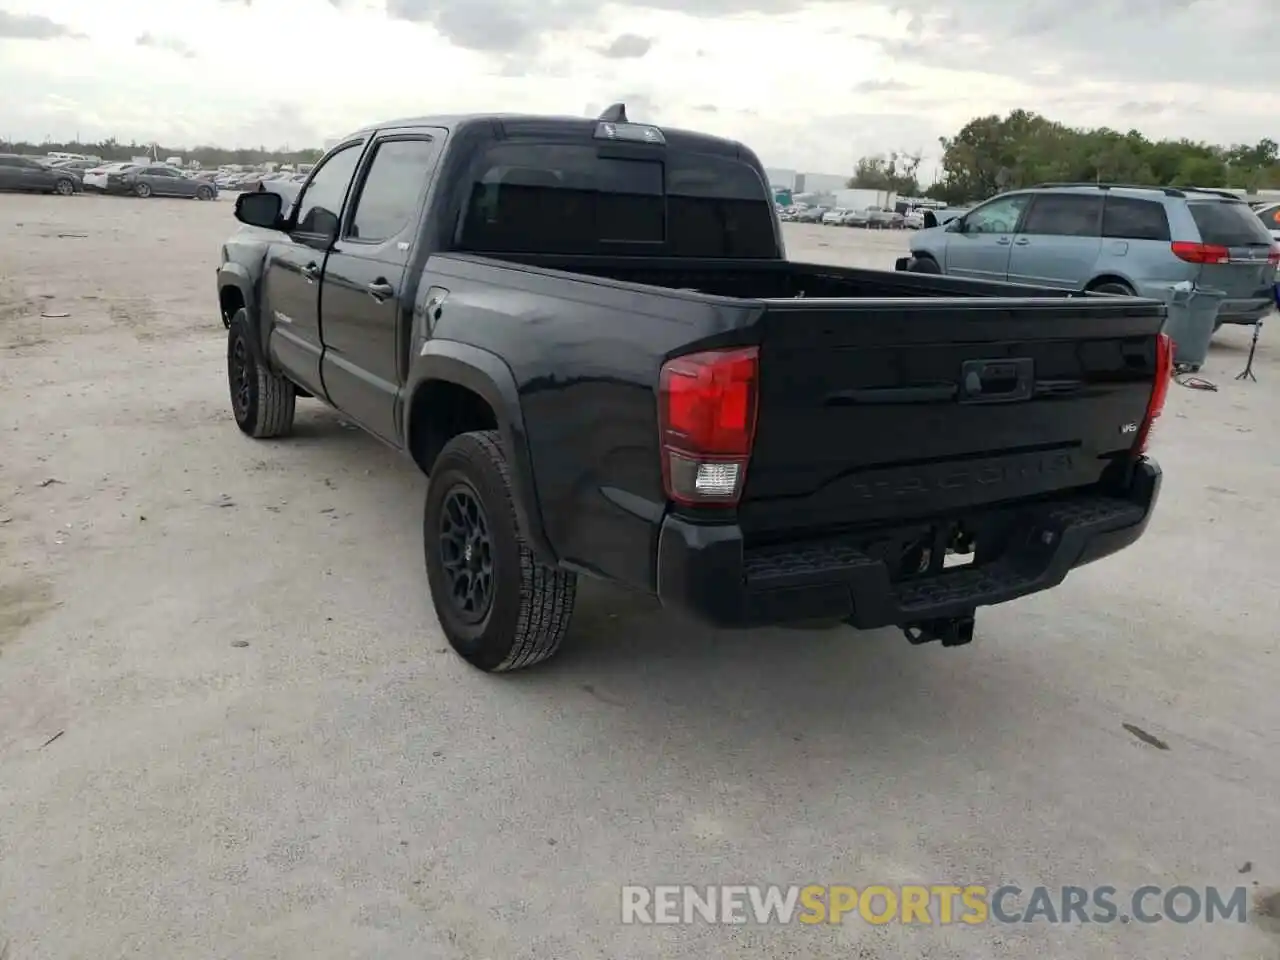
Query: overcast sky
[{"x": 808, "y": 85}]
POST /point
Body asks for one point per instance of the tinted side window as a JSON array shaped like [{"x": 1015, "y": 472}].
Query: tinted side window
[
  {"x": 389, "y": 197},
  {"x": 1064, "y": 215},
  {"x": 1127, "y": 218},
  {"x": 320, "y": 205}
]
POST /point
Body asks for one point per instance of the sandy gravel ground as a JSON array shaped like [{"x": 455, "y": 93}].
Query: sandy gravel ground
[{"x": 229, "y": 727}]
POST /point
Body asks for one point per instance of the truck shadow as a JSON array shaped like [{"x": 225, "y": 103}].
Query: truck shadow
[
  {"x": 646, "y": 666},
  {"x": 628, "y": 659}
]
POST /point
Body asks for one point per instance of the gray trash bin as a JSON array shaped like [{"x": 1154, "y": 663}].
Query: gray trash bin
[{"x": 1193, "y": 312}]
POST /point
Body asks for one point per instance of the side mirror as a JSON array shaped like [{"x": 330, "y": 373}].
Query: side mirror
[
  {"x": 956, "y": 225},
  {"x": 260, "y": 209}
]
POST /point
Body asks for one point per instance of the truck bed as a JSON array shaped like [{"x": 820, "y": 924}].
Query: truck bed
[{"x": 868, "y": 412}]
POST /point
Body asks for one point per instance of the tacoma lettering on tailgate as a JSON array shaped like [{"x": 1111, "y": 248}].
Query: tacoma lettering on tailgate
[{"x": 958, "y": 478}]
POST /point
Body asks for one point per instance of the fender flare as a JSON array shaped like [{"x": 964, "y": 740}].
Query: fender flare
[
  {"x": 487, "y": 375},
  {"x": 232, "y": 274}
]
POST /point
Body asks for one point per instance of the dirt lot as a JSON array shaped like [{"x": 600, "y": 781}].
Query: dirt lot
[{"x": 229, "y": 727}]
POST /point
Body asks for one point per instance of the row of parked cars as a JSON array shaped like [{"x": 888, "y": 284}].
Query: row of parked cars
[
  {"x": 873, "y": 218},
  {"x": 253, "y": 180},
  {"x": 70, "y": 176}
]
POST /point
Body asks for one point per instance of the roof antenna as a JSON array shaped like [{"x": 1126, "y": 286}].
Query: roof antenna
[{"x": 615, "y": 114}]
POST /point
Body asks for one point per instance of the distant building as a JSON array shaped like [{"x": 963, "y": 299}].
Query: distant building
[
  {"x": 781, "y": 179},
  {"x": 821, "y": 182}
]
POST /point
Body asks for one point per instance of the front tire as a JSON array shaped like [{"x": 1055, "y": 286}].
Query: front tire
[
  {"x": 263, "y": 402},
  {"x": 924, "y": 264},
  {"x": 204, "y": 193},
  {"x": 64, "y": 188},
  {"x": 499, "y": 607},
  {"x": 142, "y": 191}
]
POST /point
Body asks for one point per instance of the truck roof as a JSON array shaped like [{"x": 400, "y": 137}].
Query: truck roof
[{"x": 451, "y": 122}]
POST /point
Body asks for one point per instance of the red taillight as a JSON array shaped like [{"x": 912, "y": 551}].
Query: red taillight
[
  {"x": 1159, "y": 391},
  {"x": 1273, "y": 257},
  {"x": 1200, "y": 252},
  {"x": 707, "y": 424}
]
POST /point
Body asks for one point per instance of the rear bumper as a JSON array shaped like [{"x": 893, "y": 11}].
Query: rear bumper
[
  {"x": 704, "y": 571},
  {"x": 1246, "y": 312}
]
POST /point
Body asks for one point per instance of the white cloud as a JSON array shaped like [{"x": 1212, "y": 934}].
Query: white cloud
[{"x": 809, "y": 85}]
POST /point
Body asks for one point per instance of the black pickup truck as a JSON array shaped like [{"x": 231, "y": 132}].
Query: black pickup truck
[{"x": 588, "y": 334}]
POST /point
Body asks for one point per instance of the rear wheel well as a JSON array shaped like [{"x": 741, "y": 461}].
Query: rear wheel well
[
  {"x": 230, "y": 299},
  {"x": 441, "y": 410}
]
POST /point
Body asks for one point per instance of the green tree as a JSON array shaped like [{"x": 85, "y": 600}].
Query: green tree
[
  {"x": 992, "y": 153},
  {"x": 897, "y": 171}
]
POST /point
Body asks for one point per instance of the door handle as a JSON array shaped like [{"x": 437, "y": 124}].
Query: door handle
[
  {"x": 1003, "y": 242},
  {"x": 1022, "y": 241},
  {"x": 310, "y": 272},
  {"x": 380, "y": 290}
]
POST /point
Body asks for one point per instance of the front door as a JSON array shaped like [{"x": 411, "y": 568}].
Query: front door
[
  {"x": 981, "y": 245},
  {"x": 291, "y": 286},
  {"x": 364, "y": 302},
  {"x": 1059, "y": 241}
]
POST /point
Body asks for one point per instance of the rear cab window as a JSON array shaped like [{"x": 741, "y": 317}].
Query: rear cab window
[
  {"x": 1228, "y": 223},
  {"x": 583, "y": 198}
]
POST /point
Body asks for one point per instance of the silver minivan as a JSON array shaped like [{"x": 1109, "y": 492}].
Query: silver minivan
[{"x": 1111, "y": 238}]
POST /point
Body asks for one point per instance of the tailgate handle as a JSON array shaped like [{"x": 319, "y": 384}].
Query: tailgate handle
[{"x": 996, "y": 381}]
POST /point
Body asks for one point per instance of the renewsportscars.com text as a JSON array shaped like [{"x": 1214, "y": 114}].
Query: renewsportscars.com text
[{"x": 938, "y": 904}]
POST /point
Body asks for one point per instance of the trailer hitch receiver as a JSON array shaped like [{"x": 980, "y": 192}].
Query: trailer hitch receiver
[{"x": 950, "y": 631}]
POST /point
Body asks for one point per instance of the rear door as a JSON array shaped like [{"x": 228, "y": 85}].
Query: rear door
[
  {"x": 363, "y": 299},
  {"x": 981, "y": 246},
  {"x": 1249, "y": 271},
  {"x": 1058, "y": 241}
]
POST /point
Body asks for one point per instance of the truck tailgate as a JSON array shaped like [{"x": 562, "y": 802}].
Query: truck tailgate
[{"x": 887, "y": 410}]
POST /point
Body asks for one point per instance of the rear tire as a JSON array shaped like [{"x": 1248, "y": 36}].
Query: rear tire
[
  {"x": 500, "y": 609},
  {"x": 1114, "y": 288},
  {"x": 924, "y": 264},
  {"x": 263, "y": 402}
]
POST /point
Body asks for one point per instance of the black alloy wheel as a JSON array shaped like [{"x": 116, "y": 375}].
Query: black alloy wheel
[{"x": 466, "y": 554}]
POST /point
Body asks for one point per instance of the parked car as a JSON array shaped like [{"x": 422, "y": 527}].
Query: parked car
[
  {"x": 913, "y": 220},
  {"x": 855, "y": 218},
  {"x": 97, "y": 178},
  {"x": 78, "y": 167},
  {"x": 1269, "y": 214},
  {"x": 879, "y": 218},
  {"x": 254, "y": 180},
  {"x": 29, "y": 176},
  {"x": 834, "y": 218},
  {"x": 762, "y": 458},
  {"x": 811, "y": 214},
  {"x": 160, "y": 180},
  {"x": 1115, "y": 239}
]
